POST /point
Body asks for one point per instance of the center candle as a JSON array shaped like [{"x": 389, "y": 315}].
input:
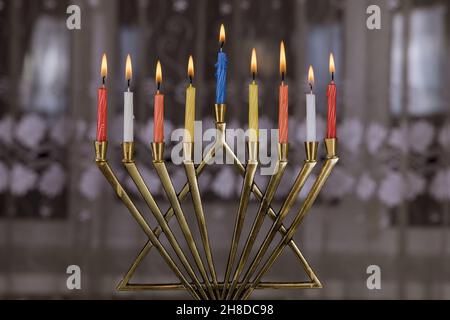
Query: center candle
[
  {"x": 221, "y": 70},
  {"x": 283, "y": 120},
  {"x": 158, "y": 117}
]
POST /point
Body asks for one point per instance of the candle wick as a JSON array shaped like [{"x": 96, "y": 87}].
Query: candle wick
[
  {"x": 221, "y": 46},
  {"x": 282, "y": 77},
  {"x": 190, "y": 80},
  {"x": 254, "y": 76},
  {"x": 332, "y": 76},
  {"x": 104, "y": 80},
  {"x": 311, "y": 87},
  {"x": 158, "y": 87},
  {"x": 128, "y": 83}
]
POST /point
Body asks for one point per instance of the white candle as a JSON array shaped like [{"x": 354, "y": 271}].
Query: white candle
[
  {"x": 128, "y": 116},
  {"x": 311, "y": 109},
  {"x": 310, "y": 117}
]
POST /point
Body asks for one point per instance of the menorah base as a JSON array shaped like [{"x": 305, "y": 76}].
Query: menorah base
[{"x": 180, "y": 287}]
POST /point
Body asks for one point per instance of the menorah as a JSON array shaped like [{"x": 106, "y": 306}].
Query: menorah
[{"x": 239, "y": 282}]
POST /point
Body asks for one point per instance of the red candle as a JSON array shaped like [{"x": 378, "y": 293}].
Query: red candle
[
  {"x": 283, "y": 119},
  {"x": 158, "y": 120},
  {"x": 331, "y": 94},
  {"x": 102, "y": 104}
]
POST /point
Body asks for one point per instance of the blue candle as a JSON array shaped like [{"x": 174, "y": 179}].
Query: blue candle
[{"x": 221, "y": 77}]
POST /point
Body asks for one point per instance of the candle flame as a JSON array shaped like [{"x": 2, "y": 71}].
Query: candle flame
[
  {"x": 222, "y": 34},
  {"x": 311, "y": 76},
  {"x": 104, "y": 68},
  {"x": 158, "y": 76},
  {"x": 191, "y": 67},
  {"x": 282, "y": 59},
  {"x": 254, "y": 63},
  {"x": 332, "y": 68},
  {"x": 128, "y": 68}
]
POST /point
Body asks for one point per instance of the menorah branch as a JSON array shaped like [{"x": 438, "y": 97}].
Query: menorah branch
[
  {"x": 247, "y": 184},
  {"x": 130, "y": 166},
  {"x": 163, "y": 174},
  {"x": 331, "y": 161},
  {"x": 303, "y": 175},
  {"x": 273, "y": 215},
  {"x": 102, "y": 163},
  {"x": 271, "y": 189},
  {"x": 198, "y": 208},
  {"x": 124, "y": 285}
]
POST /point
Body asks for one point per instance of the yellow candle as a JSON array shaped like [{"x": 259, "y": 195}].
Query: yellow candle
[
  {"x": 190, "y": 105},
  {"x": 253, "y": 102}
]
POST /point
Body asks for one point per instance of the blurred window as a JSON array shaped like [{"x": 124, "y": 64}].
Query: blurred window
[
  {"x": 426, "y": 61},
  {"x": 43, "y": 84},
  {"x": 322, "y": 40}
]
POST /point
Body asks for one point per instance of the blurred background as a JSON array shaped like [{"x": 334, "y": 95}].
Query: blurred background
[{"x": 386, "y": 203}]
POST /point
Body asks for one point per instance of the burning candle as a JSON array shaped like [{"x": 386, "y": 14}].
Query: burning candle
[
  {"x": 221, "y": 70},
  {"x": 102, "y": 103},
  {"x": 128, "y": 115},
  {"x": 158, "y": 118},
  {"x": 283, "y": 100},
  {"x": 253, "y": 100},
  {"x": 311, "y": 109},
  {"x": 331, "y": 94},
  {"x": 190, "y": 105}
]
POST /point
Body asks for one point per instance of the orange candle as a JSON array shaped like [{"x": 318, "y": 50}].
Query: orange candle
[
  {"x": 102, "y": 104},
  {"x": 158, "y": 120},
  {"x": 283, "y": 119}
]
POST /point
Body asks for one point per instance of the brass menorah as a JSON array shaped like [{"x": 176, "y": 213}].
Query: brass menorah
[{"x": 237, "y": 284}]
